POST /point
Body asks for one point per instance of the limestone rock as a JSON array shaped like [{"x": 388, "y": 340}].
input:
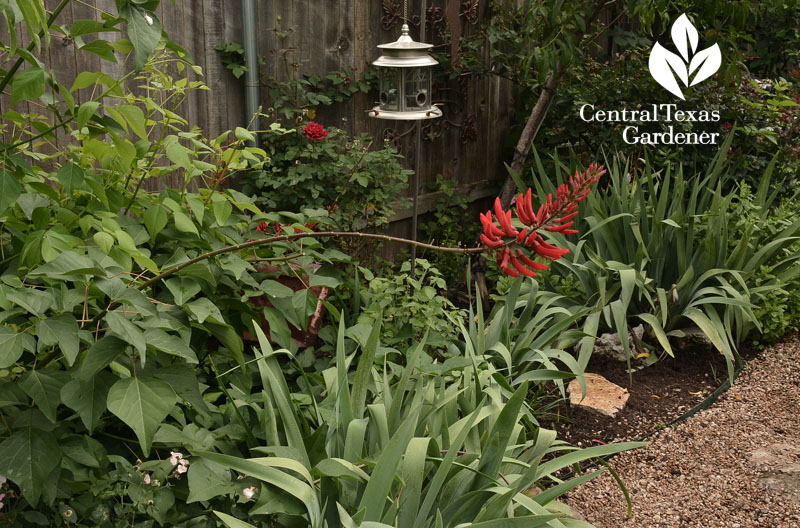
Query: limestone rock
[
  {"x": 692, "y": 336},
  {"x": 602, "y": 396},
  {"x": 610, "y": 345}
]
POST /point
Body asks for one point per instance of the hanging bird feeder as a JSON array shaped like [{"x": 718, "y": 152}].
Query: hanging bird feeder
[{"x": 404, "y": 73}]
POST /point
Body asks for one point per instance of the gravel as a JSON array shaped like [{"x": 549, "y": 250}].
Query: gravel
[{"x": 734, "y": 465}]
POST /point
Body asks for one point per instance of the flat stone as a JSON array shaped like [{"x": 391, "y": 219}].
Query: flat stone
[{"x": 602, "y": 396}]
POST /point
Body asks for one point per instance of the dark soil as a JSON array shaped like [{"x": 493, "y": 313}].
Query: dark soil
[{"x": 659, "y": 393}]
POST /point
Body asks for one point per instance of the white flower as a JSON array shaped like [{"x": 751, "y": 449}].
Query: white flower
[
  {"x": 250, "y": 492},
  {"x": 147, "y": 479},
  {"x": 181, "y": 469},
  {"x": 148, "y": 19}
]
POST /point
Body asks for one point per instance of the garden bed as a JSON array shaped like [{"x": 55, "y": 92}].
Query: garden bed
[{"x": 658, "y": 394}]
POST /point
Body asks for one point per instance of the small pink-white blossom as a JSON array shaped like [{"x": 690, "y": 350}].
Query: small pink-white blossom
[
  {"x": 147, "y": 479},
  {"x": 250, "y": 492},
  {"x": 174, "y": 457}
]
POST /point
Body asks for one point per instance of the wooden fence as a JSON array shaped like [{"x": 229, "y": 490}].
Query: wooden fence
[{"x": 466, "y": 145}]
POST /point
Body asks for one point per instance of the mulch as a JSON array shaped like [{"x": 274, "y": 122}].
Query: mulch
[{"x": 658, "y": 394}]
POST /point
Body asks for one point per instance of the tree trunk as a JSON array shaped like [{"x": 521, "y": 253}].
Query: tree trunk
[{"x": 532, "y": 127}]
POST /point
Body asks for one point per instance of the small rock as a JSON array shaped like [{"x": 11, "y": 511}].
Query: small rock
[
  {"x": 692, "y": 336},
  {"x": 602, "y": 396},
  {"x": 610, "y": 346}
]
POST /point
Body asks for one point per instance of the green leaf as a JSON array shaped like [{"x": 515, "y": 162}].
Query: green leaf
[
  {"x": 182, "y": 289},
  {"x": 135, "y": 117},
  {"x": 184, "y": 223},
  {"x": 244, "y": 134},
  {"x": 170, "y": 344},
  {"x": 61, "y": 330},
  {"x": 177, "y": 153},
  {"x": 36, "y": 302},
  {"x": 287, "y": 483},
  {"x": 104, "y": 241},
  {"x": 87, "y": 398},
  {"x": 101, "y": 48},
  {"x": 232, "y": 522},
  {"x": 142, "y": 405},
  {"x": 207, "y": 480},
  {"x": 27, "y": 84},
  {"x": 83, "y": 27},
  {"x": 100, "y": 355},
  {"x": 86, "y": 79},
  {"x": 10, "y": 189},
  {"x": 86, "y": 111},
  {"x": 222, "y": 211},
  {"x": 203, "y": 308},
  {"x": 275, "y": 289},
  {"x": 377, "y": 490},
  {"x": 144, "y": 32},
  {"x": 364, "y": 370},
  {"x": 337, "y": 467},
  {"x": 658, "y": 330},
  {"x": 67, "y": 265},
  {"x": 129, "y": 332},
  {"x": 155, "y": 219},
  {"x": 44, "y": 389},
  {"x": 230, "y": 338},
  {"x": 27, "y": 458},
  {"x": 183, "y": 380},
  {"x": 10, "y": 347}
]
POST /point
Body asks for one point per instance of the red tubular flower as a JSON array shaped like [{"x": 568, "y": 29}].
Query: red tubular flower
[
  {"x": 555, "y": 215},
  {"x": 315, "y": 131},
  {"x": 263, "y": 227}
]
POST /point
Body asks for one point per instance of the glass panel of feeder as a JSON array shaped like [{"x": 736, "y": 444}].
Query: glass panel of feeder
[
  {"x": 390, "y": 86},
  {"x": 418, "y": 88}
]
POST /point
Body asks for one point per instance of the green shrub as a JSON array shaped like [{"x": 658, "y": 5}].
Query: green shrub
[
  {"x": 778, "y": 312},
  {"x": 357, "y": 184},
  {"x": 410, "y": 305}
]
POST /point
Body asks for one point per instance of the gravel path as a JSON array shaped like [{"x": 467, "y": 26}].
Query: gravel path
[{"x": 734, "y": 465}]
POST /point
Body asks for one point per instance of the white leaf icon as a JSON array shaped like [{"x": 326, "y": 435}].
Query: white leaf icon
[
  {"x": 662, "y": 65},
  {"x": 708, "y": 61},
  {"x": 683, "y": 31},
  {"x": 665, "y": 65}
]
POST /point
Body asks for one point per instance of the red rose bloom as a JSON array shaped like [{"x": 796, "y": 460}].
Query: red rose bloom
[{"x": 315, "y": 131}]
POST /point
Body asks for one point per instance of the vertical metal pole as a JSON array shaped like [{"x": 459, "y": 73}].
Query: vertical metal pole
[
  {"x": 417, "y": 156},
  {"x": 251, "y": 60}
]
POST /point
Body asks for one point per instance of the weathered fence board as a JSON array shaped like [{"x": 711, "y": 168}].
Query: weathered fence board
[{"x": 465, "y": 145}]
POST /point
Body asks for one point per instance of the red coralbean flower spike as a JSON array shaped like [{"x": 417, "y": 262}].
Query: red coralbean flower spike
[
  {"x": 315, "y": 131},
  {"x": 555, "y": 215}
]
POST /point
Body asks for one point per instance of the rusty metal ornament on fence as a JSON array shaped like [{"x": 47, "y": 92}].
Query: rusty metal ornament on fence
[{"x": 405, "y": 80}]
